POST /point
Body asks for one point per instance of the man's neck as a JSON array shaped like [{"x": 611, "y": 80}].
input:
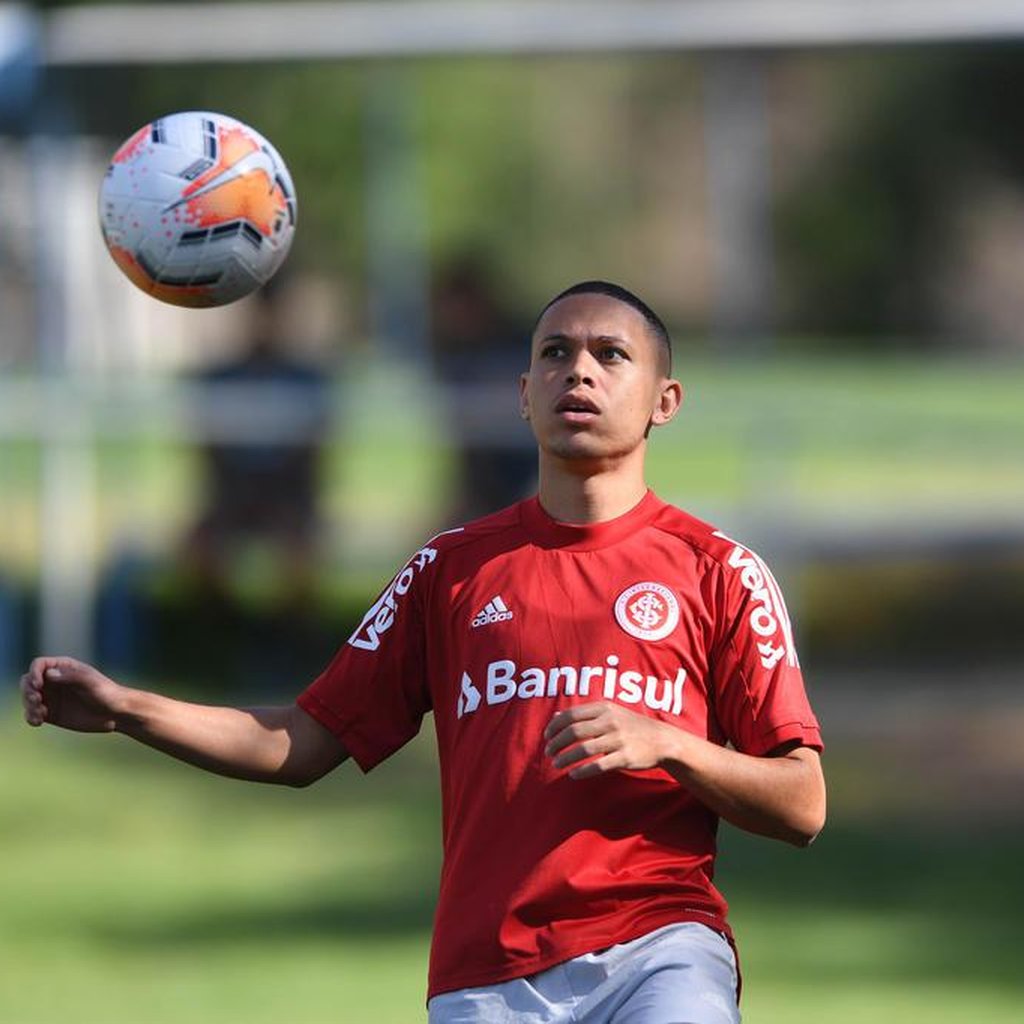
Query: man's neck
[{"x": 573, "y": 493}]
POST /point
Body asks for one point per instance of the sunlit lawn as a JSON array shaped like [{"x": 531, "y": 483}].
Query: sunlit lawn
[
  {"x": 135, "y": 890},
  {"x": 884, "y": 926}
]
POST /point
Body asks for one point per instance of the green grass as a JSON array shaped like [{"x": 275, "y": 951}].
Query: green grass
[
  {"x": 136, "y": 890},
  {"x": 874, "y": 923}
]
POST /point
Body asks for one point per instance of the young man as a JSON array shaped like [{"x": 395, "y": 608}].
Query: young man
[{"x": 588, "y": 654}]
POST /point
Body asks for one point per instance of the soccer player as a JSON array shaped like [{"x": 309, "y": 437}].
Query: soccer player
[{"x": 608, "y": 677}]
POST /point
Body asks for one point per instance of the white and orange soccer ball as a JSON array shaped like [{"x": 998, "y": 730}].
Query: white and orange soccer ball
[{"x": 197, "y": 209}]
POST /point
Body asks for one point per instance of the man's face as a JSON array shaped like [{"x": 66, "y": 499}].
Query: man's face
[{"x": 596, "y": 381}]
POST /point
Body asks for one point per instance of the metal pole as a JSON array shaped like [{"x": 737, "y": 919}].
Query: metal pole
[
  {"x": 398, "y": 266},
  {"x": 739, "y": 199},
  {"x": 67, "y": 484}
]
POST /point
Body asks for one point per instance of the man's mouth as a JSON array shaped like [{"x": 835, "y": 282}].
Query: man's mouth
[{"x": 575, "y": 406}]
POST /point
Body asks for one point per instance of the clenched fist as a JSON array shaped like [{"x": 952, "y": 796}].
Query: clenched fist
[{"x": 71, "y": 694}]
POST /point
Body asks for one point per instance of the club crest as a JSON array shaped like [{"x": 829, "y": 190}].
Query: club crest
[{"x": 647, "y": 611}]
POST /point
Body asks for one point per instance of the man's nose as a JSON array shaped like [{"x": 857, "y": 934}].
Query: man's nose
[{"x": 580, "y": 370}]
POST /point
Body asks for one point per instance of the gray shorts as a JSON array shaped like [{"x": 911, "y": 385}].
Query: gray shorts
[{"x": 680, "y": 974}]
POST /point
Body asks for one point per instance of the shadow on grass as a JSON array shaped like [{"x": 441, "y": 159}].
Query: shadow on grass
[
  {"x": 399, "y": 914},
  {"x": 859, "y": 905},
  {"x": 907, "y": 903}
]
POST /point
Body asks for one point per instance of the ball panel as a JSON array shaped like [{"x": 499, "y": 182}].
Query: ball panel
[
  {"x": 195, "y": 296},
  {"x": 253, "y": 196},
  {"x": 132, "y": 147},
  {"x": 197, "y": 209}
]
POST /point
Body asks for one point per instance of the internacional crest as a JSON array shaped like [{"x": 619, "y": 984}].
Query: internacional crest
[{"x": 647, "y": 611}]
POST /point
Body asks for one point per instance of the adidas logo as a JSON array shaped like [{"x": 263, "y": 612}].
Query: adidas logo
[{"x": 494, "y": 611}]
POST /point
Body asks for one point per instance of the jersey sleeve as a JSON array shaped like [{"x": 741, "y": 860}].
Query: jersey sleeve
[
  {"x": 374, "y": 693},
  {"x": 757, "y": 686}
]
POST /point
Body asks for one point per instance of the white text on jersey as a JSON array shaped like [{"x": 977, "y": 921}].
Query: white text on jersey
[
  {"x": 769, "y": 617},
  {"x": 494, "y": 611},
  {"x": 505, "y": 682},
  {"x": 381, "y": 615}
]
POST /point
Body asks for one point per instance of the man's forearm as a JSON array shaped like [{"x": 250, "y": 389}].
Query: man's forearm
[
  {"x": 243, "y": 743},
  {"x": 781, "y": 796}
]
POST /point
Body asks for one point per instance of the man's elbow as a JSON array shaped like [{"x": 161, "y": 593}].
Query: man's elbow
[
  {"x": 807, "y": 817},
  {"x": 803, "y": 837},
  {"x": 297, "y": 781},
  {"x": 302, "y": 774},
  {"x": 807, "y": 826},
  {"x": 314, "y": 751}
]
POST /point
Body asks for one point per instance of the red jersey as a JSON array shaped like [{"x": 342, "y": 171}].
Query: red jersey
[{"x": 496, "y": 626}]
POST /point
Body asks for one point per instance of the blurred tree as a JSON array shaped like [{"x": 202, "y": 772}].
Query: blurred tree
[
  {"x": 859, "y": 233},
  {"x": 559, "y": 168},
  {"x": 563, "y": 168}
]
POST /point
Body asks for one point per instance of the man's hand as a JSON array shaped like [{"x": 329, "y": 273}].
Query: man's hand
[
  {"x": 275, "y": 744},
  {"x": 614, "y": 737},
  {"x": 71, "y": 694},
  {"x": 779, "y": 794}
]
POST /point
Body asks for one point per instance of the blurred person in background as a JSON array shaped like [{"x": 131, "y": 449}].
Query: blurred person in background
[
  {"x": 477, "y": 346},
  {"x": 247, "y": 564},
  {"x": 262, "y": 476},
  {"x": 608, "y": 676}
]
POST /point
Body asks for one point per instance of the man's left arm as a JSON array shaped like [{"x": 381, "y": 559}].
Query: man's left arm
[{"x": 781, "y": 795}]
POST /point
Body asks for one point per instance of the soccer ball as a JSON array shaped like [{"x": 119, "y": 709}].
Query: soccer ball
[{"x": 197, "y": 209}]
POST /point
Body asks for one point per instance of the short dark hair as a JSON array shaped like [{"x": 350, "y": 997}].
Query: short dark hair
[{"x": 616, "y": 291}]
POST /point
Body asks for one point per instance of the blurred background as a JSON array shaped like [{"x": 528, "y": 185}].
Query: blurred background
[{"x": 826, "y": 205}]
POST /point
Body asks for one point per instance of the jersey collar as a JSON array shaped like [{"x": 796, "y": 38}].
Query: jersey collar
[{"x": 550, "y": 533}]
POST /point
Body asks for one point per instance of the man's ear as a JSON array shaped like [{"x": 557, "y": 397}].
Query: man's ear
[
  {"x": 670, "y": 399},
  {"x": 524, "y": 401}
]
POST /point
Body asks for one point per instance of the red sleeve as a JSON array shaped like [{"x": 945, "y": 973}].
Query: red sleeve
[
  {"x": 758, "y": 689},
  {"x": 374, "y": 693}
]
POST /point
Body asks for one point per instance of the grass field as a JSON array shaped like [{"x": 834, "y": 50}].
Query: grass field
[{"x": 134, "y": 890}]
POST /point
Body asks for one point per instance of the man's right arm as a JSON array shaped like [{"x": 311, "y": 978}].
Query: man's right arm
[{"x": 281, "y": 745}]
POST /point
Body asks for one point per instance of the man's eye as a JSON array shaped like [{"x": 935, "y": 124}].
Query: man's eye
[
  {"x": 613, "y": 354},
  {"x": 552, "y": 351}
]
